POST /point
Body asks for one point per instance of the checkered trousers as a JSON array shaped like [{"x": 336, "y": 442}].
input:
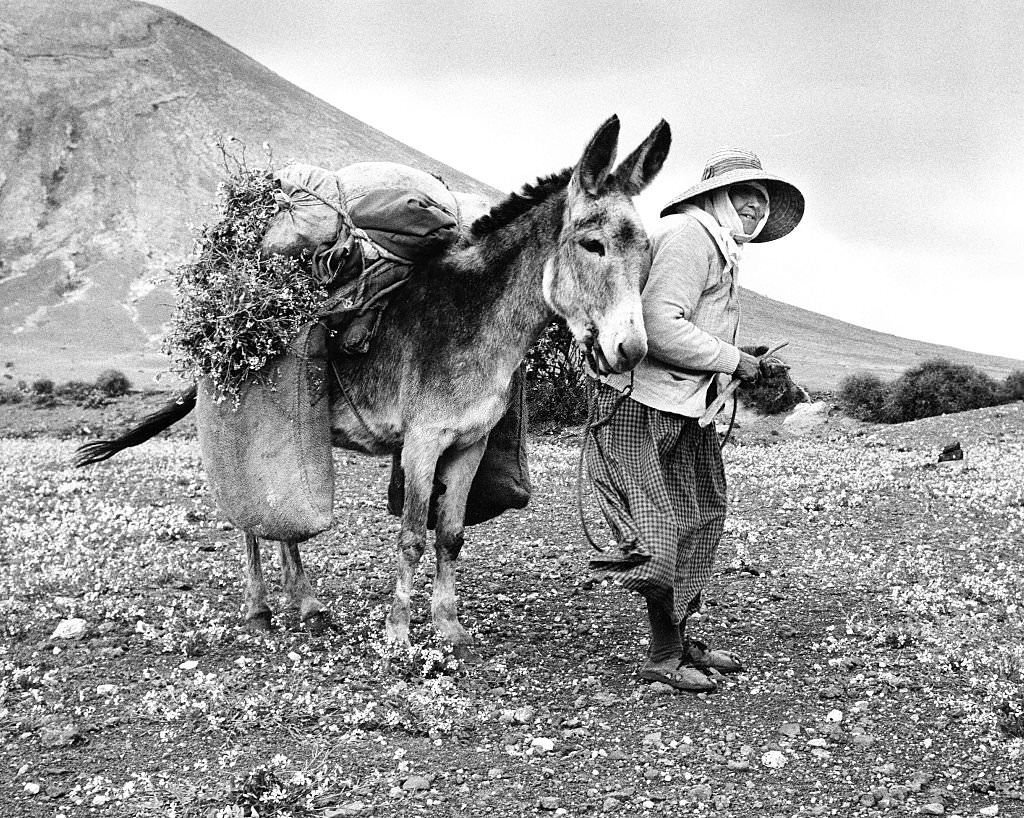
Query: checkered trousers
[{"x": 660, "y": 482}]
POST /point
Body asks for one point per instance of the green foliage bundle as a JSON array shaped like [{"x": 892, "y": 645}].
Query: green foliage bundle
[
  {"x": 935, "y": 387},
  {"x": 772, "y": 396},
  {"x": 238, "y": 309},
  {"x": 556, "y": 384}
]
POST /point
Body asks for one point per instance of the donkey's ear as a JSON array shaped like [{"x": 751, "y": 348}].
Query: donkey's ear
[
  {"x": 598, "y": 158},
  {"x": 642, "y": 165}
]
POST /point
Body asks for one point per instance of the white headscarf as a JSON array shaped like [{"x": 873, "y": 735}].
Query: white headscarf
[{"x": 724, "y": 224}]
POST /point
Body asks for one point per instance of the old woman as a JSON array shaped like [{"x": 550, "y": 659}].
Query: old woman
[{"x": 658, "y": 475}]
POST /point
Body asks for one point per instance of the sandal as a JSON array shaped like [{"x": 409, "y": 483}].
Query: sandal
[
  {"x": 680, "y": 676},
  {"x": 700, "y": 656}
]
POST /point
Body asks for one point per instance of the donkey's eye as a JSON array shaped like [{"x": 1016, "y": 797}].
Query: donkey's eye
[{"x": 592, "y": 246}]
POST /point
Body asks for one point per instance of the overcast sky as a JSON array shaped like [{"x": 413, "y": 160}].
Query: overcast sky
[{"x": 903, "y": 124}]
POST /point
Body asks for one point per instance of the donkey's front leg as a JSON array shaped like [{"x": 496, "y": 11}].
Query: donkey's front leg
[
  {"x": 419, "y": 459},
  {"x": 456, "y": 470},
  {"x": 299, "y": 591},
  {"x": 257, "y": 612}
]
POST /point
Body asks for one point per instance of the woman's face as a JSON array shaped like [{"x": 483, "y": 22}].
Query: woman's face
[{"x": 750, "y": 204}]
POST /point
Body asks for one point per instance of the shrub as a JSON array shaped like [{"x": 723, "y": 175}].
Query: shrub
[
  {"x": 1013, "y": 386},
  {"x": 113, "y": 383},
  {"x": 76, "y": 391},
  {"x": 42, "y": 386},
  {"x": 556, "y": 384},
  {"x": 938, "y": 387},
  {"x": 9, "y": 394},
  {"x": 862, "y": 396}
]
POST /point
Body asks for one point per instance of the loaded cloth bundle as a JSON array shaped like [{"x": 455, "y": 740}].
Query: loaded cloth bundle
[{"x": 363, "y": 228}]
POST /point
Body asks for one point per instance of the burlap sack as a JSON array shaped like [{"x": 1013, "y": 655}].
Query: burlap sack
[{"x": 269, "y": 461}]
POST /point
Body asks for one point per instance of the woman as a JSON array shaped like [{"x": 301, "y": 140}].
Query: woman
[{"x": 658, "y": 475}]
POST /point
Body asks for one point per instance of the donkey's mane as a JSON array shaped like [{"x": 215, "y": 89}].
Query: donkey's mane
[{"x": 504, "y": 213}]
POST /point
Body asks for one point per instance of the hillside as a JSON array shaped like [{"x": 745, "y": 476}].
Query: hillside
[
  {"x": 108, "y": 159},
  {"x": 108, "y": 128},
  {"x": 823, "y": 350}
]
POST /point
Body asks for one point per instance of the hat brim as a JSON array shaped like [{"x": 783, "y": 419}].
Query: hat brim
[{"x": 786, "y": 205}]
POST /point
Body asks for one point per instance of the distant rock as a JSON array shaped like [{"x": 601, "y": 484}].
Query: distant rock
[{"x": 806, "y": 417}]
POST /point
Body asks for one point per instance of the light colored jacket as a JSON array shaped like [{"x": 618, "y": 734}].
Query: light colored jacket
[{"x": 691, "y": 313}]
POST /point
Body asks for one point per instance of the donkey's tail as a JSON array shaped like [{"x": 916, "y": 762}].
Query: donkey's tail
[{"x": 163, "y": 418}]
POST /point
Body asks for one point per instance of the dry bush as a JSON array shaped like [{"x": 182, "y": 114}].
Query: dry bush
[
  {"x": 113, "y": 383},
  {"x": 861, "y": 396}
]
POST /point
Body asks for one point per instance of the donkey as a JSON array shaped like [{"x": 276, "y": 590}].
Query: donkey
[{"x": 438, "y": 377}]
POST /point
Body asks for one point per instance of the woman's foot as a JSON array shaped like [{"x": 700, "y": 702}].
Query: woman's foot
[
  {"x": 678, "y": 675},
  {"x": 699, "y": 655}
]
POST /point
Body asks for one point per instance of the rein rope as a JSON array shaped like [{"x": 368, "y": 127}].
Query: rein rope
[{"x": 594, "y": 424}]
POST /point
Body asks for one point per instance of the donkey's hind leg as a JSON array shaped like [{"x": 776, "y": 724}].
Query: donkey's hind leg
[
  {"x": 257, "y": 612},
  {"x": 419, "y": 459},
  {"x": 299, "y": 590},
  {"x": 456, "y": 470}
]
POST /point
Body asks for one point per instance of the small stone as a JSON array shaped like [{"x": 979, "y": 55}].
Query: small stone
[
  {"x": 610, "y": 805},
  {"x": 790, "y": 729},
  {"x": 32, "y": 788},
  {"x": 899, "y": 792},
  {"x": 932, "y": 809},
  {"x": 495, "y": 773},
  {"x": 416, "y": 783},
  {"x": 741, "y": 765},
  {"x": 834, "y": 716},
  {"x": 542, "y": 745},
  {"x": 106, "y": 690},
  {"x": 863, "y": 741},
  {"x": 652, "y": 740},
  {"x": 774, "y": 759},
  {"x": 867, "y": 799},
  {"x": 524, "y": 715},
  {"x": 548, "y": 802},
  {"x": 661, "y": 689},
  {"x": 831, "y": 692},
  {"x": 817, "y": 742},
  {"x": 989, "y": 811},
  {"x": 70, "y": 629},
  {"x": 701, "y": 792}
]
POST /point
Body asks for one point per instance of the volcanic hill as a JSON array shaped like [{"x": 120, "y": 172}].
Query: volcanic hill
[{"x": 111, "y": 115}]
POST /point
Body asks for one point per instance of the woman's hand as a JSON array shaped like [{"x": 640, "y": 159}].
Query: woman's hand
[{"x": 748, "y": 369}]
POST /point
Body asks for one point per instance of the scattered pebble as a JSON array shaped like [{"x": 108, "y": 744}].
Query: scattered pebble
[
  {"x": 774, "y": 759},
  {"x": 415, "y": 783},
  {"x": 70, "y": 629}
]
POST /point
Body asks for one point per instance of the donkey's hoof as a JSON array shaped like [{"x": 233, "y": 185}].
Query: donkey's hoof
[
  {"x": 316, "y": 622},
  {"x": 259, "y": 622}
]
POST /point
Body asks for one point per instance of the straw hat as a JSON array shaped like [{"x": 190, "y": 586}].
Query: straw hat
[{"x": 728, "y": 166}]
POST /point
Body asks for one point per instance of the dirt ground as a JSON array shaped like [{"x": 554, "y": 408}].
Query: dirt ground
[{"x": 873, "y": 593}]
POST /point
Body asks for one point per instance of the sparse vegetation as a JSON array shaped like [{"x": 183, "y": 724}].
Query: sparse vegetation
[
  {"x": 556, "y": 384},
  {"x": 1013, "y": 386},
  {"x": 113, "y": 383},
  {"x": 874, "y": 596},
  {"x": 862, "y": 396},
  {"x": 935, "y": 387}
]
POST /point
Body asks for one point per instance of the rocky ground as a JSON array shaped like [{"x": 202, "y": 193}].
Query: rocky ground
[{"x": 873, "y": 593}]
